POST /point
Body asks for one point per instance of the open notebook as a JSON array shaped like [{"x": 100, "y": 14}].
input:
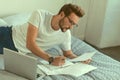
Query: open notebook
[{"x": 71, "y": 67}]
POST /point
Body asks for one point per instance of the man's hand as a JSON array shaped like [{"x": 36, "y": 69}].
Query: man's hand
[
  {"x": 69, "y": 54},
  {"x": 58, "y": 61},
  {"x": 87, "y": 61}
]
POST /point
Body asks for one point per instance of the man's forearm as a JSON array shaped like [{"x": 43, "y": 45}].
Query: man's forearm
[{"x": 69, "y": 54}]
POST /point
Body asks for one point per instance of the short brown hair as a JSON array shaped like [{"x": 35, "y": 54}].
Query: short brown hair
[{"x": 72, "y": 8}]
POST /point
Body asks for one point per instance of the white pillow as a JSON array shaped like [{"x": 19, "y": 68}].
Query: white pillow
[
  {"x": 3, "y": 23},
  {"x": 17, "y": 19}
]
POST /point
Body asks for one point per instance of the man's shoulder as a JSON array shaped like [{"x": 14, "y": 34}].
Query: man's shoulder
[
  {"x": 67, "y": 34},
  {"x": 42, "y": 11}
]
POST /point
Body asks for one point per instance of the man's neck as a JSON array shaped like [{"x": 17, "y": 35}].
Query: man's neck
[{"x": 55, "y": 22}]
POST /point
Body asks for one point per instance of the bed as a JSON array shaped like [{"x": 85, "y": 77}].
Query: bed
[{"x": 107, "y": 67}]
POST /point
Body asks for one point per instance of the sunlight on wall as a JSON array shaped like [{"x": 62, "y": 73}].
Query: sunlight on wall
[
  {"x": 8, "y": 7},
  {"x": 111, "y": 29}
]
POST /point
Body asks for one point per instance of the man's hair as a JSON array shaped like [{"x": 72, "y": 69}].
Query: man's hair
[{"x": 72, "y": 8}]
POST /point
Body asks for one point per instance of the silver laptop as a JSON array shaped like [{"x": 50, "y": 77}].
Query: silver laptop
[{"x": 20, "y": 64}]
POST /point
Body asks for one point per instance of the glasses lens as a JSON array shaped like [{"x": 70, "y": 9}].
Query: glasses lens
[{"x": 71, "y": 22}]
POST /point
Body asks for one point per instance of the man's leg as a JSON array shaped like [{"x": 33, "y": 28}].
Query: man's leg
[
  {"x": 2, "y": 37},
  {"x": 6, "y": 39}
]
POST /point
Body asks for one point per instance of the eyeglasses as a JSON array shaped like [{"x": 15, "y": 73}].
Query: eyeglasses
[{"x": 71, "y": 22}]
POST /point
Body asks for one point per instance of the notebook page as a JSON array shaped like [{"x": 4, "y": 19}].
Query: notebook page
[
  {"x": 77, "y": 69},
  {"x": 83, "y": 57}
]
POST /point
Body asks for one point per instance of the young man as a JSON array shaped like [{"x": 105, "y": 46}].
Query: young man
[{"x": 43, "y": 31}]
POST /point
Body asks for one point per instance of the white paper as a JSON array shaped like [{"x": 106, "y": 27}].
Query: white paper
[
  {"x": 69, "y": 68},
  {"x": 77, "y": 69},
  {"x": 83, "y": 57}
]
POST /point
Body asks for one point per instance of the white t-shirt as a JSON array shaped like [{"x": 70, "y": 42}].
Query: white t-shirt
[{"x": 47, "y": 37}]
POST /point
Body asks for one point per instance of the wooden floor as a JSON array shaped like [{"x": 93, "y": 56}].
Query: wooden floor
[{"x": 113, "y": 52}]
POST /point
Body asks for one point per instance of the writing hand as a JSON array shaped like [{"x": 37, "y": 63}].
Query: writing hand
[
  {"x": 87, "y": 61},
  {"x": 59, "y": 61}
]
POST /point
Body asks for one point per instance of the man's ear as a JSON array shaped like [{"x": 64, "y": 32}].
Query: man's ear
[{"x": 62, "y": 14}]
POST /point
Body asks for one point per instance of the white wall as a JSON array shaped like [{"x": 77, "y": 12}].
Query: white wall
[
  {"x": 103, "y": 27},
  {"x": 8, "y": 7},
  {"x": 95, "y": 22},
  {"x": 111, "y": 27}
]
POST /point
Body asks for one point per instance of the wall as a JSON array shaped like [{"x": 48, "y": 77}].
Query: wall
[
  {"x": 95, "y": 22},
  {"x": 8, "y": 7},
  {"x": 111, "y": 27},
  {"x": 103, "y": 27}
]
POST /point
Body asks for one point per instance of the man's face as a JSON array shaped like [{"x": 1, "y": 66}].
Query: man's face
[{"x": 68, "y": 22}]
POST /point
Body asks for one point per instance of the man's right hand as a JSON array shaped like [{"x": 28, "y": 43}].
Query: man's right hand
[{"x": 59, "y": 61}]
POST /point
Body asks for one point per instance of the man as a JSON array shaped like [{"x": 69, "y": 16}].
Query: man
[{"x": 43, "y": 31}]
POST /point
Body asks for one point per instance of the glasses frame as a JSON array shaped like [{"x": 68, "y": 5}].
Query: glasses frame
[{"x": 71, "y": 22}]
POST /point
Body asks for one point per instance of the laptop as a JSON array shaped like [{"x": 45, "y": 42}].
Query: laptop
[{"x": 20, "y": 64}]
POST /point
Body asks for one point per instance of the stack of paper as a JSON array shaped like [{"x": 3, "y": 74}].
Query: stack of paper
[{"x": 75, "y": 69}]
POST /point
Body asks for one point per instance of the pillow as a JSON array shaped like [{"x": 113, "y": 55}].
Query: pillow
[
  {"x": 3, "y": 23},
  {"x": 17, "y": 19}
]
